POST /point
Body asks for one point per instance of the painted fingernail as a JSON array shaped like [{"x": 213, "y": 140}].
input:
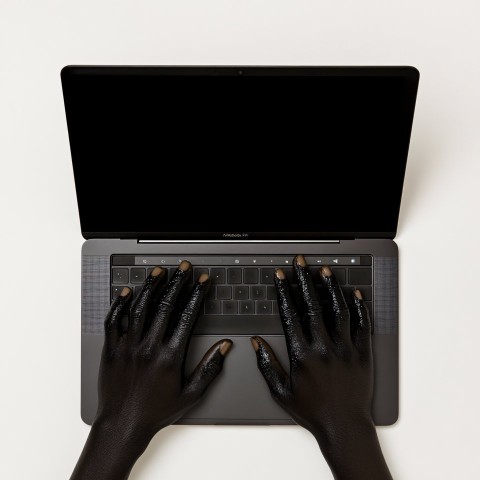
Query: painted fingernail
[
  {"x": 125, "y": 292},
  {"x": 326, "y": 272},
  {"x": 156, "y": 271},
  {"x": 255, "y": 343},
  {"x": 300, "y": 259},
  {"x": 203, "y": 278},
  {"x": 280, "y": 274},
  {"x": 358, "y": 294},
  {"x": 225, "y": 347},
  {"x": 184, "y": 266}
]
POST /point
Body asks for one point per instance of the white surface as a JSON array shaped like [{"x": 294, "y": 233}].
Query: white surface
[{"x": 437, "y": 434}]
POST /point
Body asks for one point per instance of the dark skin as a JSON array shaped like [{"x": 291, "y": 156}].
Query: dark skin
[
  {"x": 329, "y": 387},
  {"x": 143, "y": 386}
]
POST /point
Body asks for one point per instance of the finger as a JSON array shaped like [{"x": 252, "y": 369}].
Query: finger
[
  {"x": 113, "y": 320},
  {"x": 142, "y": 305},
  {"x": 311, "y": 301},
  {"x": 270, "y": 368},
  {"x": 362, "y": 336},
  {"x": 341, "y": 327},
  {"x": 289, "y": 316},
  {"x": 207, "y": 369},
  {"x": 167, "y": 303},
  {"x": 189, "y": 314}
]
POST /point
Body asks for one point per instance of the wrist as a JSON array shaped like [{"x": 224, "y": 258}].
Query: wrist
[
  {"x": 110, "y": 452},
  {"x": 352, "y": 450},
  {"x": 121, "y": 435}
]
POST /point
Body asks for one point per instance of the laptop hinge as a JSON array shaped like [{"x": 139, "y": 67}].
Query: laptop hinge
[{"x": 238, "y": 241}]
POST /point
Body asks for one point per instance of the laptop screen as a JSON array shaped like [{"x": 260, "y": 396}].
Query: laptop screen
[{"x": 239, "y": 153}]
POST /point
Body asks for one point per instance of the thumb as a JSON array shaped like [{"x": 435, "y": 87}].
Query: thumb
[
  {"x": 270, "y": 368},
  {"x": 207, "y": 369}
]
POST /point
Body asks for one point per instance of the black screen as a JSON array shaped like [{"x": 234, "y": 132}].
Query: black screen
[{"x": 249, "y": 152}]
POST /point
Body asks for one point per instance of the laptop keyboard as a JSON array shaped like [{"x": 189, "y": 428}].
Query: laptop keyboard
[{"x": 242, "y": 296}]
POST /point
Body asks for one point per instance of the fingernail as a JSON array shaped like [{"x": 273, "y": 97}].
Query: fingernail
[
  {"x": 203, "y": 278},
  {"x": 255, "y": 343},
  {"x": 225, "y": 347},
  {"x": 156, "y": 271},
  {"x": 300, "y": 259},
  {"x": 326, "y": 272},
  {"x": 358, "y": 294},
  {"x": 125, "y": 292},
  {"x": 280, "y": 274},
  {"x": 184, "y": 266}
]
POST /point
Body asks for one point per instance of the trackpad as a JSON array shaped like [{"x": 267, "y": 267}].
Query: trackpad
[{"x": 239, "y": 394}]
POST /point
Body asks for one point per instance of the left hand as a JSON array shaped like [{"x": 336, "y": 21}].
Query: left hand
[
  {"x": 142, "y": 383},
  {"x": 142, "y": 386}
]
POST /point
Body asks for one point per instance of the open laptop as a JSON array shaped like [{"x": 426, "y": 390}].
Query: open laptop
[{"x": 237, "y": 169}]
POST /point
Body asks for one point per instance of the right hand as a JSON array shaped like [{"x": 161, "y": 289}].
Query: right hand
[{"x": 329, "y": 387}]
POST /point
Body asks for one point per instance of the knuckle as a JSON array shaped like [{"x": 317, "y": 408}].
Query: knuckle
[
  {"x": 166, "y": 306},
  {"x": 289, "y": 311},
  {"x": 314, "y": 309},
  {"x": 189, "y": 311}
]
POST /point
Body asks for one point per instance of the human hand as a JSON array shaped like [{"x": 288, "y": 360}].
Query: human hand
[
  {"x": 142, "y": 385},
  {"x": 329, "y": 387}
]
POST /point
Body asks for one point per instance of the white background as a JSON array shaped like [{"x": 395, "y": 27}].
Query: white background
[{"x": 41, "y": 431}]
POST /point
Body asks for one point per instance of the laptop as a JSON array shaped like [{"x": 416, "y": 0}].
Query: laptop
[{"x": 237, "y": 169}]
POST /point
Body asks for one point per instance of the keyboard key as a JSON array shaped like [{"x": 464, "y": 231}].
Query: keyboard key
[
  {"x": 123, "y": 260},
  {"x": 348, "y": 293},
  {"x": 340, "y": 275},
  {"x": 211, "y": 293},
  {"x": 163, "y": 278},
  {"x": 275, "y": 308},
  {"x": 257, "y": 293},
  {"x": 360, "y": 276},
  {"x": 217, "y": 276},
  {"x": 198, "y": 271},
  {"x": 230, "y": 307},
  {"x": 138, "y": 289},
  {"x": 117, "y": 290},
  {"x": 366, "y": 292},
  {"x": 290, "y": 274},
  {"x": 226, "y": 325},
  {"x": 272, "y": 293},
  {"x": 366, "y": 260},
  {"x": 263, "y": 307},
  {"x": 234, "y": 275},
  {"x": 137, "y": 275},
  {"x": 247, "y": 307},
  {"x": 316, "y": 274},
  {"x": 212, "y": 307},
  {"x": 250, "y": 275},
  {"x": 296, "y": 293},
  {"x": 240, "y": 293},
  {"x": 119, "y": 275},
  {"x": 266, "y": 275},
  {"x": 224, "y": 293}
]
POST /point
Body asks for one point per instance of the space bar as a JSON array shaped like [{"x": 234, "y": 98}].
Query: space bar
[{"x": 238, "y": 325}]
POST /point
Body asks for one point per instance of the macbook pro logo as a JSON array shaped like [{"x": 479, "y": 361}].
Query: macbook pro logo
[{"x": 235, "y": 235}]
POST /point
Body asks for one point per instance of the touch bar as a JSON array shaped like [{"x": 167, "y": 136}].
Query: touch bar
[{"x": 245, "y": 260}]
